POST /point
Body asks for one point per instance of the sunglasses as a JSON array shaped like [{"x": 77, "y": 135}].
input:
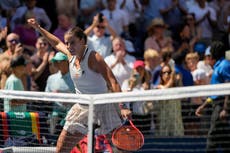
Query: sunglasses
[
  {"x": 44, "y": 44},
  {"x": 100, "y": 27},
  {"x": 14, "y": 41},
  {"x": 166, "y": 72}
]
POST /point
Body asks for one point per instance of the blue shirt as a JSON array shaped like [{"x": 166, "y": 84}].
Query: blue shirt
[
  {"x": 187, "y": 78},
  {"x": 156, "y": 75},
  {"x": 175, "y": 16},
  {"x": 60, "y": 83},
  {"x": 221, "y": 73}
]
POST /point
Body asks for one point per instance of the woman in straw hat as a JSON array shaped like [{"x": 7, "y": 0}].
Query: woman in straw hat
[{"x": 156, "y": 36}]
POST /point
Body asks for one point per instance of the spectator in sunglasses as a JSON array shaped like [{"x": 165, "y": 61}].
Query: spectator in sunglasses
[
  {"x": 14, "y": 47},
  {"x": 98, "y": 41},
  {"x": 169, "y": 111}
]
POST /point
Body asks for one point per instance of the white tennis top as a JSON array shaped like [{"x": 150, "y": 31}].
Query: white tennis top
[{"x": 85, "y": 80}]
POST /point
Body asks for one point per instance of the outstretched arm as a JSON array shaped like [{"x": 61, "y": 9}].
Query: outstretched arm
[{"x": 53, "y": 40}]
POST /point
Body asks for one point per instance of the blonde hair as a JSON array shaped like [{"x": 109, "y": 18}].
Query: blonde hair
[{"x": 150, "y": 53}]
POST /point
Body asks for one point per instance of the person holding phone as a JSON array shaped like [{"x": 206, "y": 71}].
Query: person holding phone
[{"x": 99, "y": 41}]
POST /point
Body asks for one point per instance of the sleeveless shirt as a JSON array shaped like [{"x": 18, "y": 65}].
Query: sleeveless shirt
[{"x": 85, "y": 80}]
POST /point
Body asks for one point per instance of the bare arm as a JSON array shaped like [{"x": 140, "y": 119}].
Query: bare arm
[
  {"x": 97, "y": 64},
  {"x": 96, "y": 22},
  {"x": 93, "y": 25},
  {"x": 111, "y": 30},
  {"x": 224, "y": 112},
  {"x": 36, "y": 72},
  {"x": 53, "y": 40}
]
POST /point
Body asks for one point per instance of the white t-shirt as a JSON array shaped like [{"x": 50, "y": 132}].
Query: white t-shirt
[
  {"x": 120, "y": 71},
  {"x": 204, "y": 25},
  {"x": 102, "y": 45},
  {"x": 117, "y": 19}
]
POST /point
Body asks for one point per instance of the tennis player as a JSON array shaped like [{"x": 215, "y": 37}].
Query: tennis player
[{"x": 90, "y": 75}]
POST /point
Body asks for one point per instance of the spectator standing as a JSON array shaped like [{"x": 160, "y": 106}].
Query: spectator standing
[
  {"x": 222, "y": 10},
  {"x": 30, "y": 5},
  {"x": 219, "y": 132},
  {"x": 88, "y": 9},
  {"x": 173, "y": 12},
  {"x": 150, "y": 11},
  {"x": 10, "y": 5},
  {"x": 51, "y": 13},
  {"x": 195, "y": 30},
  {"x": 98, "y": 41},
  {"x": 117, "y": 18},
  {"x": 64, "y": 24},
  {"x": 70, "y": 8},
  {"x": 132, "y": 8},
  {"x": 206, "y": 18},
  {"x": 28, "y": 36}
]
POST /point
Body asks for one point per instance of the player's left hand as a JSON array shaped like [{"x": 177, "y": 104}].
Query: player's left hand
[{"x": 126, "y": 113}]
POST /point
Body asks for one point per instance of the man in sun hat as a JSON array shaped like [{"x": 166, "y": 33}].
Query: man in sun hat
[
  {"x": 158, "y": 22},
  {"x": 64, "y": 85}
]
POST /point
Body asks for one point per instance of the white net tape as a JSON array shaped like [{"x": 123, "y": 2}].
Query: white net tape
[
  {"x": 159, "y": 94},
  {"x": 91, "y": 100}
]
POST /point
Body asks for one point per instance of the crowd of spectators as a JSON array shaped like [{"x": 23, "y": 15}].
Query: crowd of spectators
[{"x": 170, "y": 39}]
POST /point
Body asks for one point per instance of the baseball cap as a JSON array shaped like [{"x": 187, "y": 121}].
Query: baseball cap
[
  {"x": 200, "y": 48},
  {"x": 59, "y": 56},
  {"x": 138, "y": 63},
  {"x": 18, "y": 61},
  {"x": 207, "y": 51}
]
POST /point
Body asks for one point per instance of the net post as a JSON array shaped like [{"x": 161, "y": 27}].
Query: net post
[{"x": 90, "y": 126}]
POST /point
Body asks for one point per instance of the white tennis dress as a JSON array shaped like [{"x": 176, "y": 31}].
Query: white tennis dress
[{"x": 87, "y": 81}]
